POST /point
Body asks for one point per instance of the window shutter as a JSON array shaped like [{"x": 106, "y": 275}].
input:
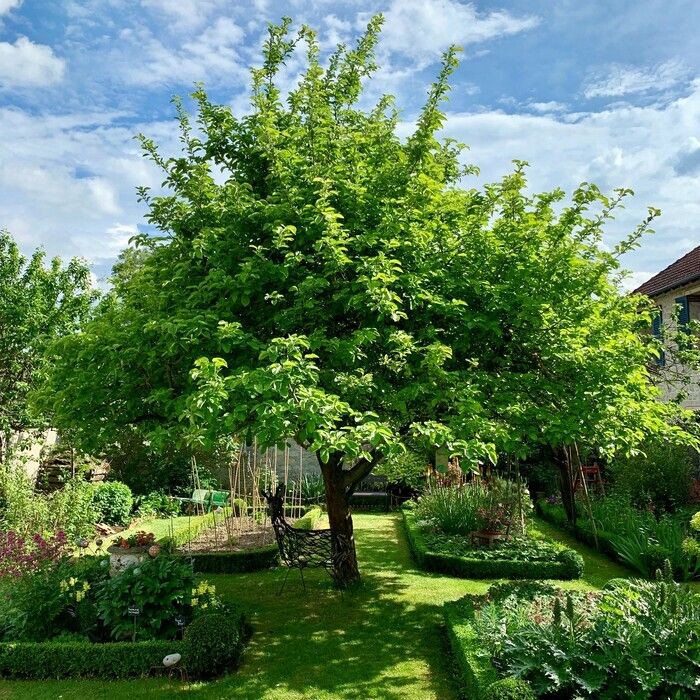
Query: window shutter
[
  {"x": 656, "y": 331},
  {"x": 684, "y": 314}
]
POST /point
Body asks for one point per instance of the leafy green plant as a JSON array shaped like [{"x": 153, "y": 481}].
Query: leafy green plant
[
  {"x": 453, "y": 510},
  {"x": 113, "y": 501},
  {"x": 639, "y": 640},
  {"x": 156, "y": 504},
  {"x": 311, "y": 488},
  {"x": 213, "y": 643},
  {"x": 161, "y": 589}
]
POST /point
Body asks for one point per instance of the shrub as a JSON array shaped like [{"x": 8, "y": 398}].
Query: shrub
[
  {"x": 161, "y": 589},
  {"x": 27, "y": 511},
  {"x": 453, "y": 509},
  {"x": 309, "y": 520},
  {"x": 113, "y": 501},
  {"x": 661, "y": 476},
  {"x": 19, "y": 556},
  {"x": 509, "y": 689},
  {"x": 461, "y": 509},
  {"x": 80, "y": 659},
  {"x": 636, "y": 640},
  {"x": 156, "y": 504},
  {"x": 213, "y": 644}
]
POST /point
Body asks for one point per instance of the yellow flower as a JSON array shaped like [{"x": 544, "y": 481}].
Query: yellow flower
[
  {"x": 86, "y": 586},
  {"x": 63, "y": 586},
  {"x": 72, "y": 581},
  {"x": 195, "y": 602},
  {"x": 204, "y": 606}
]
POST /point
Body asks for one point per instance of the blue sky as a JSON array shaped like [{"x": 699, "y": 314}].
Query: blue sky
[{"x": 607, "y": 92}]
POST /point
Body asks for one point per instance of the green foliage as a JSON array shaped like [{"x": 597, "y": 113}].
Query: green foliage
[
  {"x": 40, "y": 303},
  {"x": 509, "y": 689},
  {"x": 309, "y": 519},
  {"x": 213, "y": 644},
  {"x": 638, "y": 640},
  {"x": 156, "y": 504},
  {"x": 50, "y": 660},
  {"x": 35, "y": 607},
  {"x": 161, "y": 588},
  {"x": 113, "y": 502},
  {"x": 660, "y": 476},
  {"x": 634, "y": 537},
  {"x": 406, "y": 469},
  {"x": 27, "y": 511},
  {"x": 462, "y": 509},
  {"x": 339, "y": 286},
  {"x": 311, "y": 488},
  {"x": 546, "y": 560}
]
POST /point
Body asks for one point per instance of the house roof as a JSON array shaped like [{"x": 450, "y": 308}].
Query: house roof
[{"x": 684, "y": 271}]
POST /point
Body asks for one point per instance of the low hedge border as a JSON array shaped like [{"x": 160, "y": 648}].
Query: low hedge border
[
  {"x": 242, "y": 562},
  {"x": 111, "y": 660},
  {"x": 480, "y": 679},
  {"x": 569, "y": 565},
  {"x": 247, "y": 560},
  {"x": 198, "y": 525},
  {"x": 556, "y": 516}
]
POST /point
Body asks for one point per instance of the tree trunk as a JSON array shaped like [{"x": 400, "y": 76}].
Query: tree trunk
[
  {"x": 345, "y": 569},
  {"x": 566, "y": 484}
]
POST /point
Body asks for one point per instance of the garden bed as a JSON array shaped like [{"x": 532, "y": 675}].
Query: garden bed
[
  {"x": 255, "y": 550},
  {"x": 540, "y": 559},
  {"x": 533, "y": 640}
]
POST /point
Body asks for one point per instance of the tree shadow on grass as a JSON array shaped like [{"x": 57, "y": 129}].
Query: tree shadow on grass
[{"x": 374, "y": 642}]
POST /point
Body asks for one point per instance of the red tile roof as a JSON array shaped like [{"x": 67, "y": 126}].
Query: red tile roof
[{"x": 683, "y": 271}]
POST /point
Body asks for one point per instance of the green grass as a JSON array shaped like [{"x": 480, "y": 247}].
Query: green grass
[
  {"x": 160, "y": 527},
  {"x": 383, "y": 640}
]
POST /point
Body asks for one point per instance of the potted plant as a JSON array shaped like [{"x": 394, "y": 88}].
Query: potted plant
[{"x": 130, "y": 551}]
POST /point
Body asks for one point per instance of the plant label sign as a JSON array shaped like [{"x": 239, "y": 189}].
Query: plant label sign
[{"x": 134, "y": 611}]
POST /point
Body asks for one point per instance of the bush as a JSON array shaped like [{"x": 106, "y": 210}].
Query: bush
[
  {"x": 54, "y": 660},
  {"x": 636, "y": 640},
  {"x": 309, "y": 520},
  {"x": 465, "y": 508},
  {"x": 406, "y": 470},
  {"x": 113, "y": 501},
  {"x": 26, "y": 511},
  {"x": 156, "y": 504},
  {"x": 213, "y": 644},
  {"x": 160, "y": 588},
  {"x": 509, "y": 689},
  {"x": 661, "y": 477}
]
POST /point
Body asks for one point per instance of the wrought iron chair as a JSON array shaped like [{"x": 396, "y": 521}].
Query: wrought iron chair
[{"x": 299, "y": 549}]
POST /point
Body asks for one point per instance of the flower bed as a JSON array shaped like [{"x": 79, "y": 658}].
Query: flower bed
[
  {"x": 452, "y": 555},
  {"x": 634, "y": 639}
]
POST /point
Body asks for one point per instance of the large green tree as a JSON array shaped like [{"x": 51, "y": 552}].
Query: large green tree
[
  {"x": 38, "y": 303},
  {"x": 320, "y": 278}
]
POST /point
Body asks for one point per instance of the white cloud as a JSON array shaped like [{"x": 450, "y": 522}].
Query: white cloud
[
  {"x": 637, "y": 147},
  {"x": 68, "y": 182},
  {"x": 424, "y": 28},
  {"x": 618, "y": 80},
  {"x": 546, "y": 107},
  {"x": 26, "y": 64},
  {"x": 8, "y": 5},
  {"x": 186, "y": 14},
  {"x": 211, "y": 56}
]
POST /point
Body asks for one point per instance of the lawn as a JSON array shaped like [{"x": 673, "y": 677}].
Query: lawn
[{"x": 381, "y": 641}]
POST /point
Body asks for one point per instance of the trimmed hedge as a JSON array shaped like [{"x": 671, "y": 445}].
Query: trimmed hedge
[
  {"x": 111, "y": 660},
  {"x": 235, "y": 562},
  {"x": 309, "y": 520},
  {"x": 197, "y": 525},
  {"x": 568, "y": 565},
  {"x": 44, "y": 660},
  {"x": 481, "y": 681}
]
